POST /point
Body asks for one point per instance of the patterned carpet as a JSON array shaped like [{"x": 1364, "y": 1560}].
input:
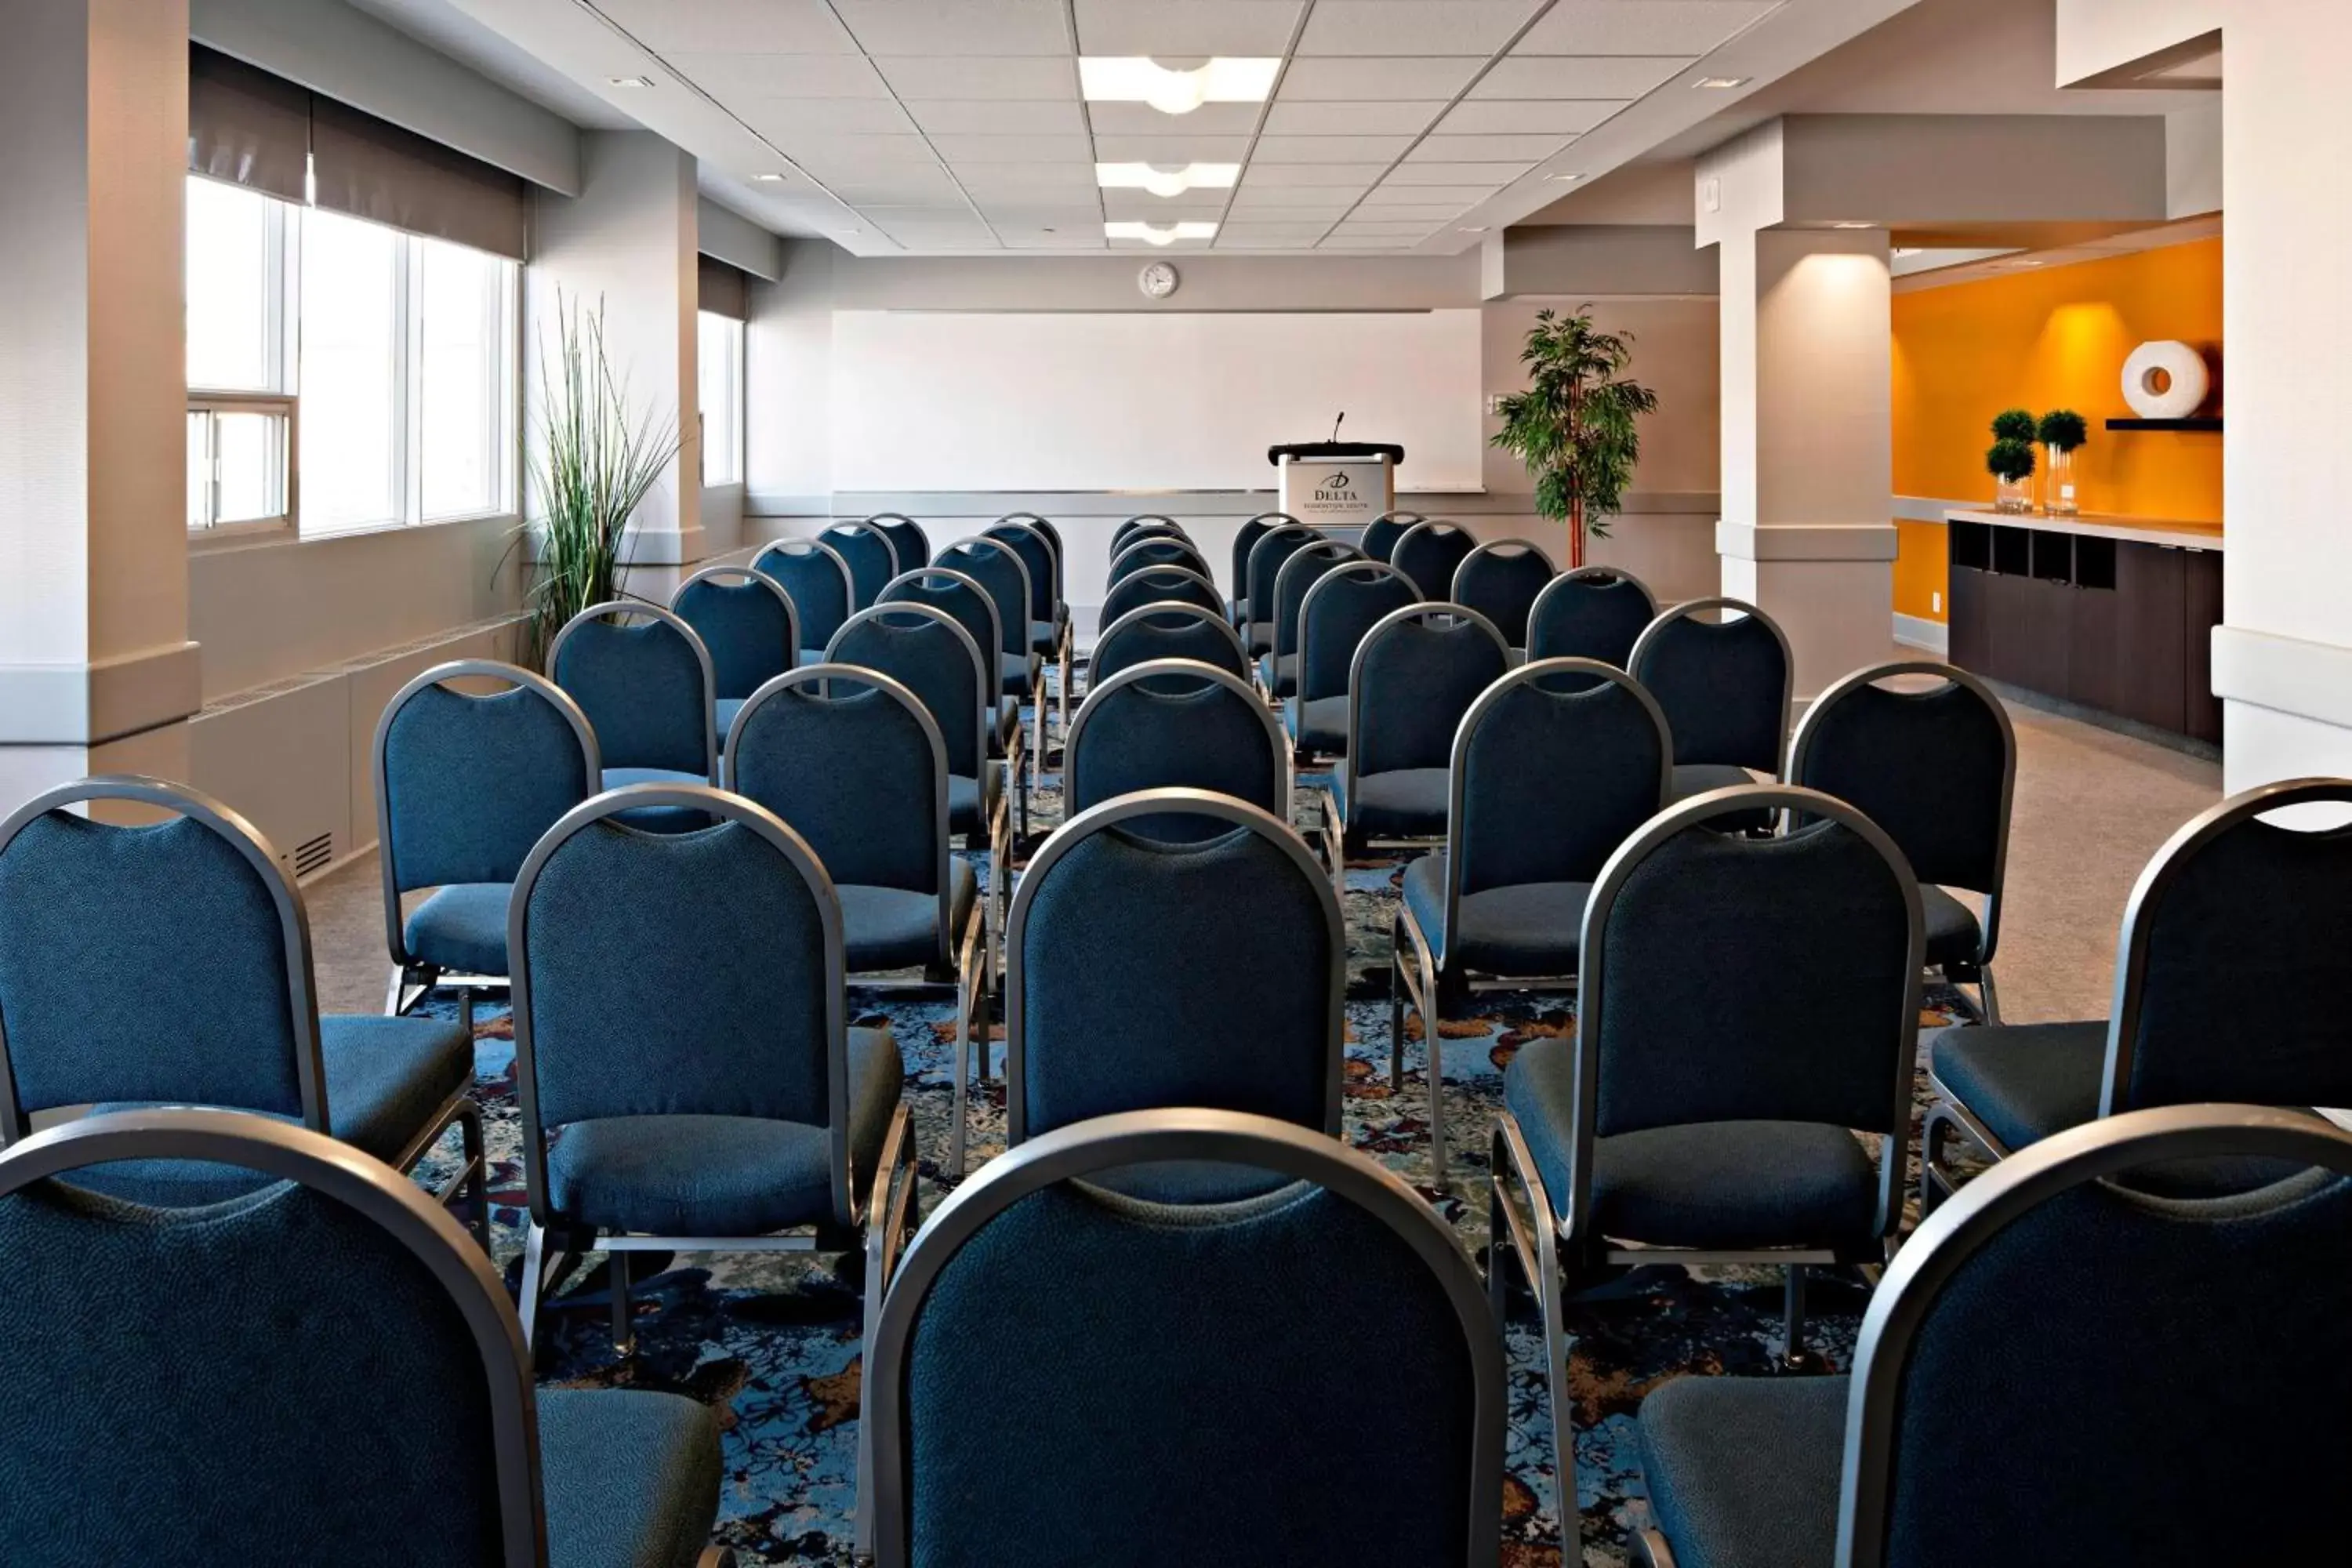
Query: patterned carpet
[{"x": 772, "y": 1339}]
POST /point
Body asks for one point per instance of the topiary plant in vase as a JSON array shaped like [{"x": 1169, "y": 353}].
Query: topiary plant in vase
[
  {"x": 1577, "y": 425},
  {"x": 2010, "y": 460},
  {"x": 2062, "y": 433}
]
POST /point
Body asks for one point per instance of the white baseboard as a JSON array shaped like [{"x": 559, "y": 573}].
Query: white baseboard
[{"x": 1928, "y": 636}]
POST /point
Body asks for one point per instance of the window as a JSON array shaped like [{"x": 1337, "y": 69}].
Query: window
[
  {"x": 719, "y": 356},
  {"x": 343, "y": 375}
]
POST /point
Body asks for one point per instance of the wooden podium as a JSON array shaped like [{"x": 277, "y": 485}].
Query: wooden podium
[{"x": 1336, "y": 484}]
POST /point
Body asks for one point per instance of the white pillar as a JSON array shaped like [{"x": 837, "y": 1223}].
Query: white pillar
[
  {"x": 97, "y": 673},
  {"x": 1807, "y": 532}
]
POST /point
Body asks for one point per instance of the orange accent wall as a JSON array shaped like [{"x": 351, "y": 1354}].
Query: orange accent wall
[{"x": 2044, "y": 339}]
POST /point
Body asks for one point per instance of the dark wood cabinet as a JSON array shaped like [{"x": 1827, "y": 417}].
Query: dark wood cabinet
[{"x": 2120, "y": 626}]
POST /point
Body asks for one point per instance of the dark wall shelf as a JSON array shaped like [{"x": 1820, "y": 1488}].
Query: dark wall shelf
[{"x": 2212, "y": 424}]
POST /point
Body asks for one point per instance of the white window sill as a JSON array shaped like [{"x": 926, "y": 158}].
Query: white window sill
[{"x": 231, "y": 537}]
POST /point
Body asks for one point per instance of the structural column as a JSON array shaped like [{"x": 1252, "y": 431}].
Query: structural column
[{"x": 97, "y": 673}]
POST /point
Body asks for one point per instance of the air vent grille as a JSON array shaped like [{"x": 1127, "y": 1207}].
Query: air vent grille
[{"x": 315, "y": 855}]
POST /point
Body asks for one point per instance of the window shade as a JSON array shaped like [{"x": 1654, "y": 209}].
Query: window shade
[
  {"x": 246, "y": 127},
  {"x": 374, "y": 169},
  {"x": 724, "y": 289}
]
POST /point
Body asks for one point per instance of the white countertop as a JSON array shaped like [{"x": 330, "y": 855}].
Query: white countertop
[{"x": 2131, "y": 530}]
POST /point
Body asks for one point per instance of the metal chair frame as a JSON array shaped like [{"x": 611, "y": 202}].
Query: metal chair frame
[
  {"x": 1402, "y": 522},
  {"x": 1144, "y": 613},
  {"x": 1364, "y": 570},
  {"x": 858, "y": 526},
  {"x": 1300, "y": 536},
  {"x": 1501, "y": 549},
  {"x": 1246, "y": 540},
  {"x": 1330, "y": 554},
  {"x": 1690, "y": 610},
  {"x": 1064, "y": 640},
  {"x": 811, "y": 546},
  {"x": 991, "y": 682},
  {"x": 613, "y": 607},
  {"x": 752, "y": 576},
  {"x": 1037, "y": 686},
  {"x": 1191, "y": 669},
  {"x": 1156, "y": 582},
  {"x": 1134, "y": 546},
  {"x": 883, "y": 520},
  {"x": 1438, "y": 528}
]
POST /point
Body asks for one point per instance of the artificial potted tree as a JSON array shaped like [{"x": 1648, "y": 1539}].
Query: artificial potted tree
[
  {"x": 2062, "y": 433},
  {"x": 1577, "y": 425},
  {"x": 2010, "y": 460}
]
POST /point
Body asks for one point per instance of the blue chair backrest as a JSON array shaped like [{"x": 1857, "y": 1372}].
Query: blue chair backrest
[
  {"x": 1266, "y": 560},
  {"x": 1549, "y": 783},
  {"x": 1336, "y": 610},
  {"x": 1821, "y": 927},
  {"x": 907, "y": 540},
  {"x": 1176, "y": 725},
  {"x": 818, "y": 581},
  {"x": 925, "y": 651},
  {"x": 745, "y": 620},
  {"x": 1592, "y": 612},
  {"x": 1304, "y": 568},
  {"x": 284, "y": 1345},
  {"x": 1415, "y": 675},
  {"x": 2128, "y": 1330},
  {"x": 851, "y": 761},
  {"x": 1245, "y": 540},
  {"x": 1050, "y": 534},
  {"x": 646, "y": 689},
  {"x": 1724, "y": 684},
  {"x": 1429, "y": 552},
  {"x": 2229, "y": 981},
  {"x": 991, "y": 563},
  {"x": 1381, "y": 535},
  {"x": 869, "y": 554},
  {"x": 1500, "y": 581},
  {"x": 1037, "y": 555},
  {"x": 1171, "y": 629},
  {"x": 1048, "y": 1421},
  {"x": 170, "y": 961},
  {"x": 1154, "y": 550},
  {"x": 465, "y": 784},
  {"x": 1144, "y": 526},
  {"x": 669, "y": 974},
  {"x": 1157, "y": 585},
  {"x": 944, "y": 588}
]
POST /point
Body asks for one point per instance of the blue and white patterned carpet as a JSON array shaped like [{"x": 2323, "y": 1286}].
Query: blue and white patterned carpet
[{"x": 773, "y": 1340}]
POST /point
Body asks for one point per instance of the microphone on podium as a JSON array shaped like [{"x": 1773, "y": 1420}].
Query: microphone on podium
[{"x": 1337, "y": 423}]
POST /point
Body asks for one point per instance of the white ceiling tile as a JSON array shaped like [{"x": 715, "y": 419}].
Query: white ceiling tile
[
  {"x": 1183, "y": 29},
  {"x": 999, "y": 117},
  {"x": 895, "y": 186},
  {"x": 1289, "y": 118},
  {"x": 1492, "y": 176},
  {"x": 1145, "y": 248},
  {"x": 964, "y": 79},
  {"x": 1364, "y": 242},
  {"x": 963, "y": 148},
  {"x": 1003, "y": 218},
  {"x": 1239, "y": 228},
  {"x": 1086, "y": 236},
  {"x": 1393, "y": 195},
  {"x": 1325, "y": 80},
  {"x": 733, "y": 26},
  {"x": 1412, "y": 26},
  {"x": 1329, "y": 174},
  {"x": 1650, "y": 27},
  {"x": 957, "y": 27},
  {"x": 1439, "y": 212},
  {"x": 1328, "y": 149},
  {"x": 943, "y": 236},
  {"x": 1039, "y": 183},
  {"x": 783, "y": 120},
  {"x": 1597, "y": 76},
  {"x": 1171, "y": 151},
  {"x": 1144, "y": 205},
  {"x": 1297, "y": 199},
  {"x": 886, "y": 215},
  {"x": 1521, "y": 117},
  {"x": 1412, "y": 230},
  {"x": 1142, "y": 120},
  {"x": 1485, "y": 149},
  {"x": 816, "y": 153},
  {"x": 731, "y": 76}
]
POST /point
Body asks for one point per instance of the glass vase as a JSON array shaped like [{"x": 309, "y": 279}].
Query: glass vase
[
  {"x": 2058, "y": 482},
  {"x": 2014, "y": 495}
]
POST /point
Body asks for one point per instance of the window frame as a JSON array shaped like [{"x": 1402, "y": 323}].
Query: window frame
[
  {"x": 290, "y": 472},
  {"x": 737, "y": 338}
]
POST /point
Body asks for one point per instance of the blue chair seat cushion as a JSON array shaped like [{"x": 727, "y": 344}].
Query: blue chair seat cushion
[
  {"x": 1046, "y": 636},
  {"x": 727, "y": 708},
  {"x": 970, "y": 800},
  {"x": 386, "y": 1078},
  {"x": 1019, "y": 672},
  {"x": 461, "y": 926},
  {"x": 657, "y": 818},
  {"x": 1008, "y": 724},
  {"x": 2023, "y": 1082},
  {"x": 1261, "y": 637},
  {"x": 1401, "y": 803},
  {"x": 1279, "y": 674},
  {"x": 1710, "y": 1184},
  {"x": 631, "y": 1478},
  {"x": 1743, "y": 1472},
  {"x": 892, "y": 928},
  {"x": 1953, "y": 935},
  {"x": 688, "y": 1175},
  {"x": 1528, "y": 931},
  {"x": 1318, "y": 725}
]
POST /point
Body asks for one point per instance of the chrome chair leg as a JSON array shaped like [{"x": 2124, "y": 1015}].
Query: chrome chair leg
[
  {"x": 1792, "y": 1316},
  {"x": 466, "y": 1010},
  {"x": 1433, "y": 1011},
  {"x": 1396, "y": 1013},
  {"x": 534, "y": 1271},
  {"x": 469, "y": 1131},
  {"x": 956, "y": 1131},
  {"x": 1988, "y": 996},
  {"x": 391, "y": 997},
  {"x": 625, "y": 1320}
]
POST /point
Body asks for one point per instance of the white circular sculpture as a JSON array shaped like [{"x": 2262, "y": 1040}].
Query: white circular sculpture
[{"x": 2166, "y": 381}]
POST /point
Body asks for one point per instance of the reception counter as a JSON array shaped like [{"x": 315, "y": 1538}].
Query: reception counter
[{"x": 2113, "y": 614}]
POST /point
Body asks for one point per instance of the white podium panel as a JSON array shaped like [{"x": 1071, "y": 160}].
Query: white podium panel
[{"x": 1344, "y": 492}]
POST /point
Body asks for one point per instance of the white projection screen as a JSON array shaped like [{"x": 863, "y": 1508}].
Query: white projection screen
[{"x": 1048, "y": 401}]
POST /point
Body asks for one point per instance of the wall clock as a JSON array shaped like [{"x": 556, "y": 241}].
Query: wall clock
[{"x": 1158, "y": 280}]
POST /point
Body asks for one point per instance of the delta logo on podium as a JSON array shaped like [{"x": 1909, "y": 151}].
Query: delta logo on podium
[
  {"x": 1330, "y": 494},
  {"x": 1338, "y": 488}
]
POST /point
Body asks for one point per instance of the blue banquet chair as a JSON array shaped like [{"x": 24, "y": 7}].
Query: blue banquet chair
[
  {"x": 170, "y": 964},
  {"x": 747, "y": 621},
  {"x": 1413, "y": 677},
  {"x": 1170, "y": 629},
  {"x": 1245, "y": 540},
  {"x": 817, "y": 581},
  {"x": 854, "y": 763},
  {"x": 1593, "y": 612},
  {"x": 1335, "y": 612},
  {"x": 1156, "y": 585},
  {"x": 1936, "y": 766},
  {"x": 649, "y": 693},
  {"x": 1277, "y": 670},
  {"x": 1275, "y": 547},
  {"x": 975, "y": 609},
  {"x": 321, "y": 1372},
  {"x": 465, "y": 784},
  {"x": 868, "y": 553},
  {"x": 1430, "y": 552},
  {"x": 1049, "y": 616},
  {"x": 1746, "y": 1006},
  {"x": 1381, "y": 534},
  {"x": 1725, "y": 686},
  {"x": 1545, "y": 783},
  {"x": 1154, "y": 550},
  {"x": 2229, "y": 986},
  {"x": 2044, "y": 1370},
  {"x": 1144, "y": 525},
  {"x": 1020, "y": 1421},
  {"x": 1175, "y": 724},
  {"x": 1001, "y": 573},
  {"x": 909, "y": 542},
  {"x": 1045, "y": 530},
  {"x": 1501, "y": 580}
]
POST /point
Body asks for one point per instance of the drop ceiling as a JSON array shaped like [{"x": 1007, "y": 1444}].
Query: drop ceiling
[{"x": 958, "y": 127}]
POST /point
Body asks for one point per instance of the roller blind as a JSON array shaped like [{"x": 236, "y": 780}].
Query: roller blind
[
  {"x": 246, "y": 127},
  {"x": 722, "y": 288}
]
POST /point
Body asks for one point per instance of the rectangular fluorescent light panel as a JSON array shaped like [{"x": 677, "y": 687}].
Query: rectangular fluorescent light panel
[
  {"x": 1165, "y": 181},
  {"x": 1138, "y": 79},
  {"x": 1151, "y": 234}
]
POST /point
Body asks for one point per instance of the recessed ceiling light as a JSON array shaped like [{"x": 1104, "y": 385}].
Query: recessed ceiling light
[
  {"x": 1853, "y": 225},
  {"x": 1166, "y": 182},
  {"x": 1473, "y": 228},
  {"x": 1151, "y": 234},
  {"x": 769, "y": 179},
  {"x": 1575, "y": 176},
  {"x": 1903, "y": 250},
  {"x": 1138, "y": 79},
  {"x": 628, "y": 81},
  {"x": 1722, "y": 83}
]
